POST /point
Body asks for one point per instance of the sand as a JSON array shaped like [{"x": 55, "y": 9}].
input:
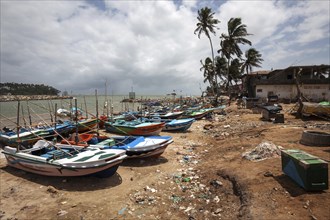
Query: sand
[{"x": 202, "y": 175}]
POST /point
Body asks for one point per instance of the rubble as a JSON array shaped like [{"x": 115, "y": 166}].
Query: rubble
[{"x": 263, "y": 151}]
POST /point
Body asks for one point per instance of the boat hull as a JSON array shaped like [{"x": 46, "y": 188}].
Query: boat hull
[
  {"x": 147, "y": 130},
  {"x": 137, "y": 147},
  {"x": 180, "y": 125},
  {"x": 51, "y": 170},
  {"x": 47, "y": 159}
]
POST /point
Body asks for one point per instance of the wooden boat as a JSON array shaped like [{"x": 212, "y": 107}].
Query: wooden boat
[
  {"x": 25, "y": 137},
  {"x": 80, "y": 140},
  {"x": 175, "y": 125},
  {"x": 46, "y": 158},
  {"x": 135, "y": 146},
  {"x": 197, "y": 114},
  {"x": 65, "y": 127},
  {"x": 168, "y": 115},
  {"x": 61, "y": 112},
  {"x": 87, "y": 124},
  {"x": 178, "y": 124},
  {"x": 135, "y": 127},
  {"x": 317, "y": 109}
]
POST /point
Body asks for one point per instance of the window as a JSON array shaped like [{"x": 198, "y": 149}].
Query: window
[
  {"x": 289, "y": 76},
  {"x": 259, "y": 90}
]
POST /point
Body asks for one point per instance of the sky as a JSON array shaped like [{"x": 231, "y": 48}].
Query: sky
[{"x": 148, "y": 47}]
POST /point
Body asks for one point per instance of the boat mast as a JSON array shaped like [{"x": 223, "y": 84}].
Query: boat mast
[
  {"x": 23, "y": 117},
  {"x": 76, "y": 118},
  {"x": 18, "y": 127},
  {"x": 97, "y": 113},
  {"x": 85, "y": 107},
  {"x": 28, "y": 108}
]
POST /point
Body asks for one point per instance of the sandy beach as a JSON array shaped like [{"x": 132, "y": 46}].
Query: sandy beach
[{"x": 202, "y": 175}]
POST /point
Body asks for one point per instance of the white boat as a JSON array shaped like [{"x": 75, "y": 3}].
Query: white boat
[
  {"x": 46, "y": 158},
  {"x": 135, "y": 146}
]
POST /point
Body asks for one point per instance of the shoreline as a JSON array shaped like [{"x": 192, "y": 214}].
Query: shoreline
[{"x": 10, "y": 98}]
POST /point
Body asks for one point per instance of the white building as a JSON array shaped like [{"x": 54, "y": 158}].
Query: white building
[{"x": 314, "y": 83}]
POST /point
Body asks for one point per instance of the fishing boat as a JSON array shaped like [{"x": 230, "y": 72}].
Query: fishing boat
[
  {"x": 134, "y": 127},
  {"x": 46, "y": 158},
  {"x": 61, "y": 128},
  {"x": 61, "y": 112},
  {"x": 168, "y": 115},
  {"x": 87, "y": 124},
  {"x": 175, "y": 125},
  {"x": 197, "y": 114},
  {"x": 24, "y": 137},
  {"x": 178, "y": 124},
  {"x": 135, "y": 146}
]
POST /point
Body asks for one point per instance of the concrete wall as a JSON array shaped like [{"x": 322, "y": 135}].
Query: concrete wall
[{"x": 316, "y": 92}]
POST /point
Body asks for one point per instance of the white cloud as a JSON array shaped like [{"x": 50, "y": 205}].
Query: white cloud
[{"x": 147, "y": 45}]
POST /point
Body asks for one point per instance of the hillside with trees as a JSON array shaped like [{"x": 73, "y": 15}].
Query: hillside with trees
[{"x": 27, "y": 89}]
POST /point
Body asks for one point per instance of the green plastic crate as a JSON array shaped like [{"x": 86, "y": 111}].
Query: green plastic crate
[{"x": 308, "y": 171}]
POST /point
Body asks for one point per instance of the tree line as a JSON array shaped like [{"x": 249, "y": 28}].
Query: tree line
[
  {"x": 27, "y": 89},
  {"x": 222, "y": 71}
]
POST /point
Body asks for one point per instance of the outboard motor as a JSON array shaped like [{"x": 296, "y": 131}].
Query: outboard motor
[{"x": 5, "y": 129}]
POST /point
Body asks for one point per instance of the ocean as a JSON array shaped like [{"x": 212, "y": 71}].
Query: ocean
[{"x": 43, "y": 110}]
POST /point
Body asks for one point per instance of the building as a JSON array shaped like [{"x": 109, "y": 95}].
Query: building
[{"x": 314, "y": 82}]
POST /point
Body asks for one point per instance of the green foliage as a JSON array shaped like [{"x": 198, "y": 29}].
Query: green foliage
[
  {"x": 206, "y": 22},
  {"x": 230, "y": 65},
  {"x": 27, "y": 89}
]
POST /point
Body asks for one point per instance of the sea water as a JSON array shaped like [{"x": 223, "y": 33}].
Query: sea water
[{"x": 43, "y": 110}]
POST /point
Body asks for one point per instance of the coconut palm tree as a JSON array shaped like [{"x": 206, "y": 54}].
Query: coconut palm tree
[
  {"x": 221, "y": 68},
  {"x": 206, "y": 25},
  {"x": 235, "y": 70},
  {"x": 230, "y": 43},
  {"x": 207, "y": 68},
  {"x": 253, "y": 59}
]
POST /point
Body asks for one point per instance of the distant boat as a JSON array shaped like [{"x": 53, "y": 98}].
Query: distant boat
[
  {"x": 197, "y": 114},
  {"x": 87, "y": 124},
  {"x": 134, "y": 127},
  {"x": 61, "y": 112},
  {"x": 168, "y": 115},
  {"x": 175, "y": 125},
  {"x": 47, "y": 159}
]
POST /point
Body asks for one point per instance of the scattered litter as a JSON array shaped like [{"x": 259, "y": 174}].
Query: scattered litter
[
  {"x": 263, "y": 151},
  {"x": 268, "y": 174},
  {"x": 51, "y": 189},
  {"x": 187, "y": 179},
  {"x": 121, "y": 211},
  {"x": 62, "y": 212},
  {"x": 216, "y": 183},
  {"x": 176, "y": 199}
]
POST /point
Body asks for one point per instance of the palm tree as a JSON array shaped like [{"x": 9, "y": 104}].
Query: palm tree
[
  {"x": 221, "y": 67},
  {"x": 230, "y": 43},
  {"x": 206, "y": 25},
  {"x": 207, "y": 67},
  {"x": 253, "y": 59},
  {"x": 235, "y": 70}
]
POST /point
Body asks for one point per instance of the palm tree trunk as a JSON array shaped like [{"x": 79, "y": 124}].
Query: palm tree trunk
[
  {"x": 228, "y": 73},
  {"x": 214, "y": 75}
]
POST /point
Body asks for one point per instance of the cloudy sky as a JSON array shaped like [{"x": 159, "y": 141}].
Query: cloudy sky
[{"x": 147, "y": 46}]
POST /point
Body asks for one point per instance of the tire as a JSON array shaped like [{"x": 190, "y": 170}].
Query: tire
[{"x": 315, "y": 138}]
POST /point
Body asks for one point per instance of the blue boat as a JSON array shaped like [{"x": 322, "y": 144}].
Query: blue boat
[{"x": 175, "y": 125}]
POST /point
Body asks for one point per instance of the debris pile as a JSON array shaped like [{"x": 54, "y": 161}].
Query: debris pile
[{"x": 263, "y": 151}]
